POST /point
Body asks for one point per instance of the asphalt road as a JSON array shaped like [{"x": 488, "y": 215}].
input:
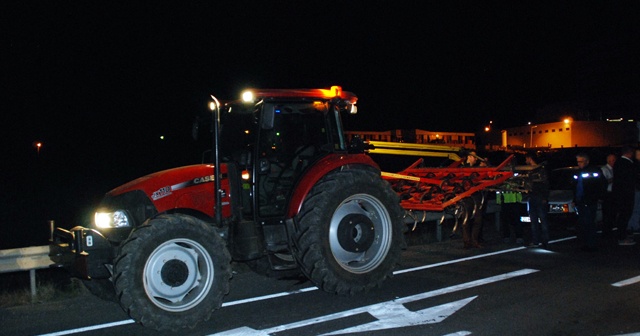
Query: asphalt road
[{"x": 439, "y": 289}]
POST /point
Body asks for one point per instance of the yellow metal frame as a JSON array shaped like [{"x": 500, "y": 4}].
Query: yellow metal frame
[{"x": 402, "y": 148}]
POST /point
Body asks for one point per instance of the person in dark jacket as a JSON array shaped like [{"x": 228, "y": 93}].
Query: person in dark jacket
[
  {"x": 590, "y": 186},
  {"x": 538, "y": 203},
  {"x": 623, "y": 194},
  {"x": 472, "y": 228},
  {"x": 634, "y": 221},
  {"x": 608, "y": 213}
]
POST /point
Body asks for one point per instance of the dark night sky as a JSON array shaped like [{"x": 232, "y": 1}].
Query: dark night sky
[{"x": 99, "y": 82}]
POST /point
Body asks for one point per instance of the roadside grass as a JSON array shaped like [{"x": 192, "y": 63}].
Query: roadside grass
[{"x": 15, "y": 288}]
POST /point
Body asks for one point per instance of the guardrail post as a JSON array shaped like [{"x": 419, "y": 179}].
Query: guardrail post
[
  {"x": 32, "y": 279},
  {"x": 52, "y": 225}
]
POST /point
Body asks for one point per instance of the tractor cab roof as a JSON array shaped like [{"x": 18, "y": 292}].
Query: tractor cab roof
[
  {"x": 345, "y": 100},
  {"x": 255, "y": 95}
]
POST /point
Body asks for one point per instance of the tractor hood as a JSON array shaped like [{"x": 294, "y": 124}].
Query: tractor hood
[
  {"x": 188, "y": 187},
  {"x": 175, "y": 179}
]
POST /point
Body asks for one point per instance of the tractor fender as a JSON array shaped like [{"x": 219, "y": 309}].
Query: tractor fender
[{"x": 321, "y": 168}]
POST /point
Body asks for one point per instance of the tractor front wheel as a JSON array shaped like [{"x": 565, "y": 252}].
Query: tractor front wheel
[{"x": 172, "y": 272}]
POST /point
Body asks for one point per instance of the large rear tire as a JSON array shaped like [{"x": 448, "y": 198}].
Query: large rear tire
[
  {"x": 172, "y": 272},
  {"x": 350, "y": 232}
]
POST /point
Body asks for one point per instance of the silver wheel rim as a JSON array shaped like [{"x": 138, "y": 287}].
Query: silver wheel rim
[
  {"x": 346, "y": 237},
  {"x": 178, "y": 275}
]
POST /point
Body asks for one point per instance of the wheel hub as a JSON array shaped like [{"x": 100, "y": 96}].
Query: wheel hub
[
  {"x": 356, "y": 233},
  {"x": 174, "y": 273}
]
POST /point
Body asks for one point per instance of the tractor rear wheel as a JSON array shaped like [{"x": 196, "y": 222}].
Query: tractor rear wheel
[
  {"x": 350, "y": 232},
  {"x": 172, "y": 272}
]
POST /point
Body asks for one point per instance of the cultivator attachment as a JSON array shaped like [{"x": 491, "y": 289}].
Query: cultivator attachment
[
  {"x": 435, "y": 189},
  {"x": 428, "y": 193}
]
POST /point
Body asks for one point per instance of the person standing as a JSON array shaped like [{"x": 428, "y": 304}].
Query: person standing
[
  {"x": 608, "y": 213},
  {"x": 634, "y": 221},
  {"x": 511, "y": 207},
  {"x": 537, "y": 203},
  {"x": 590, "y": 185},
  {"x": 472, "y": 227},
  {"x": 623, "y": 194}
]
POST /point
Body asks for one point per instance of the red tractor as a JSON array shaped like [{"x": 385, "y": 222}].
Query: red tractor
[{"x": 285, "y": 193}]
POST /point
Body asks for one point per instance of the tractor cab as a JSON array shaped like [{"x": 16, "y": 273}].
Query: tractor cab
[{"x": 271, "y": 138}]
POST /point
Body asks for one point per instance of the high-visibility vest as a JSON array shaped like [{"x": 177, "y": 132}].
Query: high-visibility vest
[{"x": 508, "y": 197}]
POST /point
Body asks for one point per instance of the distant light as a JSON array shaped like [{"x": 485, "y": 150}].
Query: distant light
[
  {"x": 37, "y": 145},
  {"x": 162, "y": 137},
  {"x": 529, "y": 123},
  {"x": 567, "y": 120},
  {"x": 246, "y": 131},
  {"x": 486, "y": 128},
  {"x": 615, "y": 120}
]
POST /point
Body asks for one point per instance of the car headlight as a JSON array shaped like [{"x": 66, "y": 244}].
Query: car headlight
[
  {"x": 116, "y": 219},
  {"x": 559, "y": 208}
]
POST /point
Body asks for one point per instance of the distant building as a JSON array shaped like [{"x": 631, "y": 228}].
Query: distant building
[
  {"x": 466, "y": 140},
  {"x": 573, "y": 134}
]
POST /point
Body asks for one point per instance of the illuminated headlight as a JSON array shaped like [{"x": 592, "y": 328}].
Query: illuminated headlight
[
  {"x": 248, "y": 97},
  {"x": 116, "y": 219}
]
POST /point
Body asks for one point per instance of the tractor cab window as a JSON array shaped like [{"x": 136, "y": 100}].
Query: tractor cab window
[
  {"x": 299, "y": 137},
  {"x": 237, "y": 134}
]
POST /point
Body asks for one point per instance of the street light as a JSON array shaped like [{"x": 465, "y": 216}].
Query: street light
[
  {"x": 37, "y": 145},
  {"x": 531, "y": 135}
]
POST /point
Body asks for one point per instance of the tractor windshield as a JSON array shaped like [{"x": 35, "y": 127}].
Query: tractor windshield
[
  {"x": 302, "y": 133},
  {"x": 237, "y": 136}
]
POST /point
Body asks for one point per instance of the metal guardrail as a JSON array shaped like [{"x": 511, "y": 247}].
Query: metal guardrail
[{"x": 25, "y": 259}]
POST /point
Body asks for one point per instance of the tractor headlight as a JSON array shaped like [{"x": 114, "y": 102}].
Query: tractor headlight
[{"x": 116, "y": 219}]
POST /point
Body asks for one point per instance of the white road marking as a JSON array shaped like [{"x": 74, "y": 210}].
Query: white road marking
[
  {"x": 246, "y": 331},
  {"x": 307, "y": 289},
  {"x": 394, "y": 315},
  {"x": 623, "y": 283},
  {"x": 267, "y": 297},
  {"x": 448, "y": 262},
  {"x": 90, "y": 328}
]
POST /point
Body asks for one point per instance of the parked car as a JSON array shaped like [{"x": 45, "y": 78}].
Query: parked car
[{"x": 561, "y": 189}]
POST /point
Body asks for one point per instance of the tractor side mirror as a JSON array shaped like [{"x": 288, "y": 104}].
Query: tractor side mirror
[{"x": 268, "y": 117}]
